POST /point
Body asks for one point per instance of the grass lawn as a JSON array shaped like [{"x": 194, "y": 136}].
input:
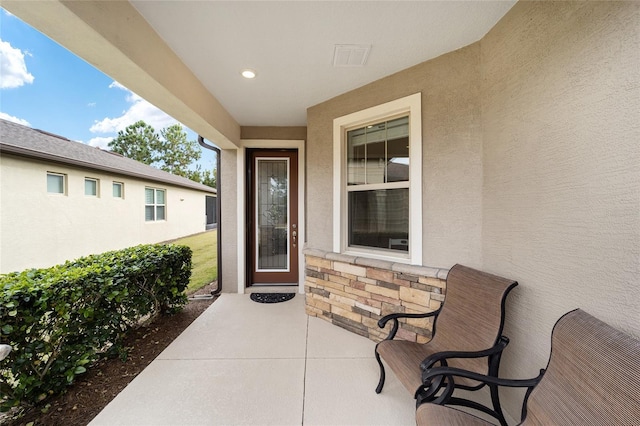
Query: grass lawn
[{"x": 204, "y": 260}]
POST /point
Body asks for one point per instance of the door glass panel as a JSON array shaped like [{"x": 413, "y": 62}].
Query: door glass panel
[{"x": 272, "y": 187}]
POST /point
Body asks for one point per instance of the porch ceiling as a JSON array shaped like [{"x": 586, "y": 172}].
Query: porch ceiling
[{"x": 186, "y": 56}]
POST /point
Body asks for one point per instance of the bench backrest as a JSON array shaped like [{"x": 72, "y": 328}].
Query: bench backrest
[
  {"x": 472, "y": 316},
  {"x": 593, "y": 376}
]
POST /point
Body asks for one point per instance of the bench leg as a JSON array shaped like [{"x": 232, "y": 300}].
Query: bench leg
[
  {"x": 494, "y": 366},
  {"x": 382, "y": 375},
  {"x": 495, "y": 400}
]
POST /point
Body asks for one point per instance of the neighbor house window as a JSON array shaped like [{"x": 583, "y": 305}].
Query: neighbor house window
[
  {"x": 56, "y": 183},
  {"x": 91, "y": 187},
  {"x": 377, "y": 181},
  {"x": 155, "y": 204},
  {"x": 118, "y": 190}
]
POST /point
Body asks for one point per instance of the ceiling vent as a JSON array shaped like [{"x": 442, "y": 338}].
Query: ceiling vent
[{"x": 350, "y": 55}]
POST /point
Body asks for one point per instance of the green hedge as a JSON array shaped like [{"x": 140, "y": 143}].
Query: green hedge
[{"x": 60, "y": 319}]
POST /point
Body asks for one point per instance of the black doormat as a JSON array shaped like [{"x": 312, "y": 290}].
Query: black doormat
[{"x": 271, "y": 297}]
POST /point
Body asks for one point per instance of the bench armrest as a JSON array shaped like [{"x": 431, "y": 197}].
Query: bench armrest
[
  {"x": 451, "y": 371},
  {"x": 382, "y": 322},
  {"x": 442, "y": 357},
  {"x": 442, "y": 374}
]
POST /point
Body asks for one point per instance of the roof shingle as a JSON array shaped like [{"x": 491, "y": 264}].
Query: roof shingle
[{"x": 27, "y": 142}]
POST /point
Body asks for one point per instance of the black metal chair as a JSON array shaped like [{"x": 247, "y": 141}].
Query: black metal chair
[{"x": 466, "y": 334}]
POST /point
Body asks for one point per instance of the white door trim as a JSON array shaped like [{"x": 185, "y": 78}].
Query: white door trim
[{"x": 241, "y": 204}]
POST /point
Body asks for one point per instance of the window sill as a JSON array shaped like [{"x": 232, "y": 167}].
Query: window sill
[{"x": 372, "y": 254}]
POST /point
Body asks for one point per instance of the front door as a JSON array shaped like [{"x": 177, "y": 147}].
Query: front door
[{"x": 274, "y": 235}]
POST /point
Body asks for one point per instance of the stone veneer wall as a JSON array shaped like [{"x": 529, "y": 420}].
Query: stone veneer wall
[{"x": 355, "y": 292}]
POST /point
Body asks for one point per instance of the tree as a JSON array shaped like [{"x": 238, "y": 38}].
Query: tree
[
  {"x": 171, "y": 151},
  {"x": 210, "y": 177},
  {"x": 138, "y": 142},
  {"x": 206, "y": 177},
  {"x": 174, "y": 153}
]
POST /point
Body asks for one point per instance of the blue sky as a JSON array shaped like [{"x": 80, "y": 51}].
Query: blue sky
[{"x": 44, "y": 86}]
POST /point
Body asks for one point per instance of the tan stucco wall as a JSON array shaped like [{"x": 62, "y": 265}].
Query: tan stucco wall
[
  {"x": 561, "y": 195},
  {"x": 228, "y": 220},
  {"x": 273, "y": 132},
  {"x": 40, "y": 229},
  {"x": 452, "y": 154},
  {"x": 531, "y": 165}
]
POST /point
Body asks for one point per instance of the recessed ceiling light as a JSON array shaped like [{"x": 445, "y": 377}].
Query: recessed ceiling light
[{"x": 248, "y": 73}]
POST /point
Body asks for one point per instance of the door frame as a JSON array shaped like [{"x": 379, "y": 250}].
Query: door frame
[
  {"x": 241, "y": 191},
  {"x": 255, "y": 276}
]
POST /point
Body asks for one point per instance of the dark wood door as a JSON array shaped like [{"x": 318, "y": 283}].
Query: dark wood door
[{"x": 274, "y": 234}]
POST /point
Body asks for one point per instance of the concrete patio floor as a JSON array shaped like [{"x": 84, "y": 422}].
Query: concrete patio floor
[{"x": 247, "y": 363}]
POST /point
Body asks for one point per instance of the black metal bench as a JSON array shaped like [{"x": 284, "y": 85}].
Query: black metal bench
[{"x": 592, "y": 378}]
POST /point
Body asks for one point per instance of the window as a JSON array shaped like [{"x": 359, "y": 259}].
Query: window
[
  {"x": 91, "y": 187},
  {"x": 56, "y": 183},
  {"x": 378, "y": 181},
  {"x": 154, "y": 204},
  {"x": 378, "y": 185},
  {"x": 118, "y": 190}
]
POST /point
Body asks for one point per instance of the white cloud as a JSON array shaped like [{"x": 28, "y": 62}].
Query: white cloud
[
  {"x": 116, "y": 85},
  {"x": 13, "y": 119},
  {"x": 12, "y": 67},
  {"x": 100, "y": 142},
  {"x": 138, "y": 110}
]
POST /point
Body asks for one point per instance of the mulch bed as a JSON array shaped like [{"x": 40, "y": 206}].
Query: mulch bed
[{"x": 104, "y": 380}]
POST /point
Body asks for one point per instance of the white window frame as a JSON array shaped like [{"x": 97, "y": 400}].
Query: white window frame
[
  {"x": 412, "y": 106},
  {"x": 113, "y": 184},
  {"x": 64, "y": 183},
  {"x": 155, "y": 205},
  {"x": 97, "y": 181}
]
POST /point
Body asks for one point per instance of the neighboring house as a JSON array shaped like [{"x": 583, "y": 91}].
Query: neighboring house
[
  {"x": 523, "y": 152},
  {"x": 61, "y": 199}
]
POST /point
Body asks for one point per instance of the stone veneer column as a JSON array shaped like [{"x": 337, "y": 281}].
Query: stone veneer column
[{"x": 355, "y": 292}]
